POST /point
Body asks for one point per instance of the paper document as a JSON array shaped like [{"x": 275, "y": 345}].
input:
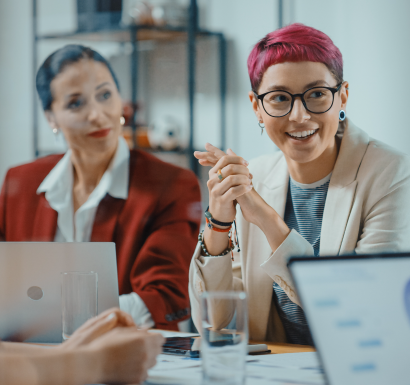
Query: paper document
[
  {"x": 272, "y": 369},
  {"x": 307, "y": 360}
]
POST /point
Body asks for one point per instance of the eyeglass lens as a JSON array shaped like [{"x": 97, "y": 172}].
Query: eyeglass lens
[{"x": 279, "y": 103}]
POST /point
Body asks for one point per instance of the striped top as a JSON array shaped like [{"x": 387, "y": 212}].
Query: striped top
[{"x": 304, "y": 212}]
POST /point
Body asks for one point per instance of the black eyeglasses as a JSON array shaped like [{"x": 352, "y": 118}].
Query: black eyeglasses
[{"x": 317, "y": 100}]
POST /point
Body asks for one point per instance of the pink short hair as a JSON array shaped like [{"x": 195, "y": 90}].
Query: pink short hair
[{"x": 293, "y": 43}]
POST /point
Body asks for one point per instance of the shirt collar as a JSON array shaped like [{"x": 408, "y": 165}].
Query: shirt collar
[{"x": 60, "y": 178}]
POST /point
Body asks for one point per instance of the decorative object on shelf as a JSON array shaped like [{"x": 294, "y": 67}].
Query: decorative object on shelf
[
  {"x": 96, "y": 15},
  {"x": 170, "y": 13},
  {"x": 136, "y": 12},
  {"x": 166, "y": 12},
  {"x": 165, "y": 134}
]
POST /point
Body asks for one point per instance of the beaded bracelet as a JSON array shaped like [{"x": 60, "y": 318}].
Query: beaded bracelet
[{"x": 225, "y": 252}]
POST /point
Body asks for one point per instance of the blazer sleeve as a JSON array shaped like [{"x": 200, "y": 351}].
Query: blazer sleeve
[
  {"x": 211, "y": 274},
  {"x": 3, "y": 209},
  {"x": 159, "y": 274}
]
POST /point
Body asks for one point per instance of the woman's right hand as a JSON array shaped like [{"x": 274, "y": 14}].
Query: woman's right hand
[
  {"x": 96, "y": 327},
  {"x": 236, "y": 181}
]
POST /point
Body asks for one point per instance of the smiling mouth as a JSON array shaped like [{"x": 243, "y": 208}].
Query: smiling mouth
[{"x": 302, "y": 135}]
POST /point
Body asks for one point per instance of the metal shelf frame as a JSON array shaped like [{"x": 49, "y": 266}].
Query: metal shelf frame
[{"x": 135, "y": 34}]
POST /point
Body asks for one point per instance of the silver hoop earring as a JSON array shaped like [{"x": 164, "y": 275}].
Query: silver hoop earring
[
  {"x": 260, "y": 125},
  {"x": 55, "y": 130},
  {"x": 342, "y": 115}
]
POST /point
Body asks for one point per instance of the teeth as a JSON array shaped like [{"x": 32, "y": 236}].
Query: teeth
[{"x": 302, "y": 134}]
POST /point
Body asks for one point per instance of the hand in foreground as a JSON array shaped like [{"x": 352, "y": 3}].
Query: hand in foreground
[
  {"x": 236, "y": 182},
  {"x": 124, "y": 354},
  {"x": 96, "y": 327}
]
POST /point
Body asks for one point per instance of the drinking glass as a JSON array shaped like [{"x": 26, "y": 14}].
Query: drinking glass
[
  {"x": 224, "y": 337},
  {"x": 79, "y": 299}
]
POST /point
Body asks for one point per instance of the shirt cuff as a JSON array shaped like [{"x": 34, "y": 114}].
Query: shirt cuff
[{"x": 135, "y": 306}]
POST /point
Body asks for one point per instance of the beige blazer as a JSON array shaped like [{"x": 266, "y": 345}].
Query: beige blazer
[{"x": 367, "y": 210}]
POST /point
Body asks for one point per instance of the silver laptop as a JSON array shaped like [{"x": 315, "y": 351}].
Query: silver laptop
[
  {"x": 358, "y": 311},
  {"x": 26, "y": 265}
]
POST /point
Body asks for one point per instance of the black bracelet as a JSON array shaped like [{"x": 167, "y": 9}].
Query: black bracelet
[{"x": 213, "y": 220}]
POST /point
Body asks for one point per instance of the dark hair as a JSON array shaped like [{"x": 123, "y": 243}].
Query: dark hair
[{"x": 55, "y": 64}]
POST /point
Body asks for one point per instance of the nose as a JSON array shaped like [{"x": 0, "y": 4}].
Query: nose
[
  {"x": 299, "y": 114},
  {"x": 95, "y": 113}
]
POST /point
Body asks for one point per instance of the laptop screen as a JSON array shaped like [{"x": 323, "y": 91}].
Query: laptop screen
[{"x": 358, "y": 310}]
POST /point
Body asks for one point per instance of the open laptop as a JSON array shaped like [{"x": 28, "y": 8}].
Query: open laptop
[
  {"x": 25, "y": 267},
  {"x": 358, "y": 310}
]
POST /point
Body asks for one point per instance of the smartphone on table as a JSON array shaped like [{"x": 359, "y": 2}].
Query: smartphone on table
[{"x": 190, "y": 347}]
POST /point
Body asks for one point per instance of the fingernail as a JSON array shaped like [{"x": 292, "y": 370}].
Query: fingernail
[
  {"x": 111, "y": 316},
  {"x": 250, "y": 187},
  {"x": 245, "y": 162}
]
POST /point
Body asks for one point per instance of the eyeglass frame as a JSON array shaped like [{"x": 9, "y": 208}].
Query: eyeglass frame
[{"x": 333, "y": 90}]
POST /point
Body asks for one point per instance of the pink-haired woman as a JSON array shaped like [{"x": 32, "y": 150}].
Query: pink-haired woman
[{"x": 329, "y": 190}]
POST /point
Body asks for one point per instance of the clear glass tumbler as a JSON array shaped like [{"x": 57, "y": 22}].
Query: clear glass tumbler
[
  {"x": 224, "y": 337},
  {"x": 79, "y": 299}
]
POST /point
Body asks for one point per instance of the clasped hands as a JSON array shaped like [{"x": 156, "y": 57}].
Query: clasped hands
[{"x": 236, "y": 186}]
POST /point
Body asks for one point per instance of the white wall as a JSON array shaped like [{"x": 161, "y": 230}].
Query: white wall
[
  {"x": 15, "y": 84},
  {"x": 244, "y": 23},
  {"x": 372, "y": 35}
]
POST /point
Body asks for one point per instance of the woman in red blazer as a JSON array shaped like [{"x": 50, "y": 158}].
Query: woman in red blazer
[{"x": 99, "y": 191}]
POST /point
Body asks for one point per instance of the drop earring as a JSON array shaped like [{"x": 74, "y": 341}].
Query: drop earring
[
  {"x": 122, "y": 120},
  {"x": 261, "y": 125},
  {"x": 342, "y": 115}
]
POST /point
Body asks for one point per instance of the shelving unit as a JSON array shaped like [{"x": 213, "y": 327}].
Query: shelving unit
[{"x": 138, "y": 33}]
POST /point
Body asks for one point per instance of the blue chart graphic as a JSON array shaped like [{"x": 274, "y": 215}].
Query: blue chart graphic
[{"x": 407, "y": 298}]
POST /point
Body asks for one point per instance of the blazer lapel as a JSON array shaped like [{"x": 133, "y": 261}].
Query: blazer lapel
[
  {"x": 342, "y": 189},
  {"x": 45, "y": 222},
  {"x": 273, "y": 189},
  {"x": 106, "y": 219},
  {"x": 336, "y": 214}
]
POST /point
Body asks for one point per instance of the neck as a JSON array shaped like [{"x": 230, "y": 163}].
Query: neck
[
  {"x": 315, "y": 170},
  {"x": 89, "y": 168}
]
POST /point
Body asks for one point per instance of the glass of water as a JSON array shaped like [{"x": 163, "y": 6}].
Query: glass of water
[
  {"x": 79, "y": 299},
  {"x": 224, "y": 337}
]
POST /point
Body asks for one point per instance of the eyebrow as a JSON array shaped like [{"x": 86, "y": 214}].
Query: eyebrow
[
  {"x": 67, "y": 97},
  {"x": 78, "y": 94},
  {"x": 307, "y": 86},
  {"x": 102, "y": 85}
]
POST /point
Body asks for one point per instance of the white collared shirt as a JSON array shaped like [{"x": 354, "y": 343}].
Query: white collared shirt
[{"x": 77, "y": 227}]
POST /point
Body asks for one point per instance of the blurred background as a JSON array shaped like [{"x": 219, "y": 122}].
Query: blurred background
[{"x": 182, "y": 68}]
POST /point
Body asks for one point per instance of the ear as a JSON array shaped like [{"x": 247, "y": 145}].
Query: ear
[
  {"x": 51, "y": 119},
  {"x": 255, "y": 105},
  {"x": 344, "y": 95}
]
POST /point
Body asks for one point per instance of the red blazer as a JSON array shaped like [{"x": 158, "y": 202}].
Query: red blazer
[{"x": 155, "y": 229}]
